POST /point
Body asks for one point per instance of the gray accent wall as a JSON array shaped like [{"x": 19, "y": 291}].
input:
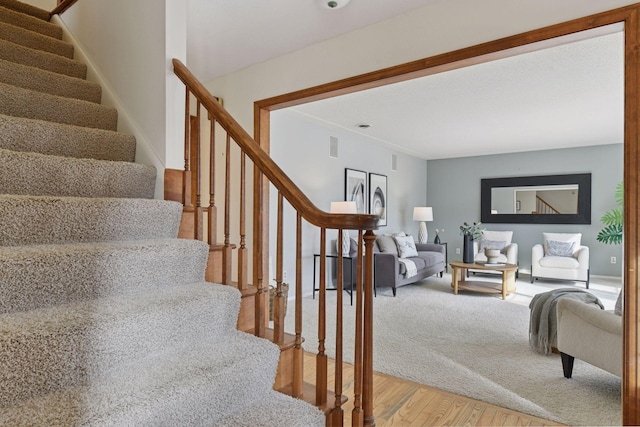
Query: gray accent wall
[
  {"x": 453, "y": 189},
  {"x": 301, "y": 147}
]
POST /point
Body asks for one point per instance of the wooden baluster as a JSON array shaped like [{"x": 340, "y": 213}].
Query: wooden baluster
[
  {"x": 213, "y": 211},
  {"x": 278, "y": 300},
  {"x": 298, "y": 353},
  {"x": 226, "y": 252},
  {"x": 243, "y": 251},
  {"x": 186, "y": 181},
  {"x": 258, "y": 257},
  {"x": 321, "y": 357},
  {"x": 357, "y": 416},
  {"x": 337, "y": 415},
  {"x": 367, "y": 355},
  {"x": 196, "y": 171}
]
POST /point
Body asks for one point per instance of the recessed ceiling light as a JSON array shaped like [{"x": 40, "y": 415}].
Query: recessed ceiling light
[
  {"x": 333, "y": 4},
  {"x": 363, "y": 125}
]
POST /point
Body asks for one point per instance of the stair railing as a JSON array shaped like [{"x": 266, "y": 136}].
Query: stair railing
[
  {"x": 265, "y": 173},
  {"x": 543, "y": 207}
]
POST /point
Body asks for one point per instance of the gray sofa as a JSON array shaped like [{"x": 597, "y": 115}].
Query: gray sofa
[{"x": 389, "y": 272}]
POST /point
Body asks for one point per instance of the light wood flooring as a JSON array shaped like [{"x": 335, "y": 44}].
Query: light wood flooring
[{"x": 399, "y": 403}]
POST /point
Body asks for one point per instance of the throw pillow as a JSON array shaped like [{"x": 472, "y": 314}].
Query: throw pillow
[
  {"x": 406, "y": 246},
  {"x": 555, "y": 248},
  {"x": 618, "y": 308},
  {"x": 492, "y": 244},
  {"x": 387, "y": 244}
]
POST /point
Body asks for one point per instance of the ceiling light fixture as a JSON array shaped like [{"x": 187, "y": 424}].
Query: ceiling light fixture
[{"x": 333, "y": 4}]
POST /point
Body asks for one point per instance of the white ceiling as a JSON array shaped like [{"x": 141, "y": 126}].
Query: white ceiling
[{"x": 566, "y": 96}]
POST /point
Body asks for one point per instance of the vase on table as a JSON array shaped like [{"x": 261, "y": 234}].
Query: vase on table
[{"x": 467, "y": 250}]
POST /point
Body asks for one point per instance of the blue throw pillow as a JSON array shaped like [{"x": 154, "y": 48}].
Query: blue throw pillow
[{"x": 555, "y": 248}]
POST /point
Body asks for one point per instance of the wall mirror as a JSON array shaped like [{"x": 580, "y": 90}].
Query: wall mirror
[{"x": 545, "y": 199}]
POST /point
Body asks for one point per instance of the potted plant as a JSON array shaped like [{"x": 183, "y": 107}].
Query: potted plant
[
  {"x": 470, "y": 232},
  {"x": 613, "y": 220}
]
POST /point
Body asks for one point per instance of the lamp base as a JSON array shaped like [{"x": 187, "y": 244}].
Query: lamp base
[{"x": 422, "y": 232}]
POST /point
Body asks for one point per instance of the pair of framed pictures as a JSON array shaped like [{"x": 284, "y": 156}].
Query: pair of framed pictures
[{"x": 375, "y": 200}]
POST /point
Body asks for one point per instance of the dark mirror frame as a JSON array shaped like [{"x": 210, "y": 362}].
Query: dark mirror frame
[{"x": 583, "y": 216}]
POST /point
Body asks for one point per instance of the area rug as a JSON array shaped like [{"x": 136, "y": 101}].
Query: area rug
[{"x": 475, "y": 345}]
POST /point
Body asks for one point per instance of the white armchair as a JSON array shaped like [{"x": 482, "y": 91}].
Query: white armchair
[
  {"x": 561, "y": 257},
  {"x": 501, "y": 240},
  {"x": 590, "y": 334}
]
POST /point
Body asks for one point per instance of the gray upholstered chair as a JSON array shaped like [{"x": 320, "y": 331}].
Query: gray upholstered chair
[
  {"x": 586, "y": 332},
  {"x": 561, "y": 257}
]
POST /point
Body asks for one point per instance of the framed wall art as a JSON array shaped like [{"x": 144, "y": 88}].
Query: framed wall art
[
  {"x": 378, "y": 197},
  {"x": 355, "y": 188}
]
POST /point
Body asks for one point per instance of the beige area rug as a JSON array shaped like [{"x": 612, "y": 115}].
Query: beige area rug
[{"x": 477, "y": 346}]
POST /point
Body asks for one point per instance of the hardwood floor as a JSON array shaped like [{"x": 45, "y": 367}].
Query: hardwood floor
[{"x": 400, "y": 403}]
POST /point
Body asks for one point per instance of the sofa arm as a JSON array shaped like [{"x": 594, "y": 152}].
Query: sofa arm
[
  {"x": 511, "y": 251},
  {"x": 430, "y": 247},
  {"x": 588, "y": 333},
  {"x": 582, "y": 255},
  {"x": 386, "y": 268}
]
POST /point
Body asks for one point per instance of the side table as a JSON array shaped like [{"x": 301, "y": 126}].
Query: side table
[{"x": 334, "y": 256}]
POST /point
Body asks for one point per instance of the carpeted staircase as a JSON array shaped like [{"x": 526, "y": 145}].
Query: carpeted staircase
[{"x": 105, "y": 317}]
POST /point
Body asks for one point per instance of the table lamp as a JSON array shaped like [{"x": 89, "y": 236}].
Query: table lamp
[
  {"x": 344, "y": 208},
  {"x": 422, "y": 214}
]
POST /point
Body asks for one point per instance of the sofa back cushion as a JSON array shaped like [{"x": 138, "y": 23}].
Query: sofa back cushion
[{"x": 387, "y": 244}]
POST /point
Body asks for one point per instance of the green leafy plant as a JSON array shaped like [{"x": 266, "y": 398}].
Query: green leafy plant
[
  {"x": 474, "y": 230},
  {"x": 613, "y": 220}
]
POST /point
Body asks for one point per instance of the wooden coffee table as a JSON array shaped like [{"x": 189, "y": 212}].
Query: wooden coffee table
[{"x": 459, "y": 278}]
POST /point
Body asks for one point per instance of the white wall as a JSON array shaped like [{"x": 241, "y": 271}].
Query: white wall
[
  {"x": 128, "y": 46},
  {"x": 42, "y": 4},
  {"x": 301, "y": 149}
]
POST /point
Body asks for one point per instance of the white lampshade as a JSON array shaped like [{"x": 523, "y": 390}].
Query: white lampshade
[
  {"x": 423, "y": 214},
  {"x": 343, "y": 208}
]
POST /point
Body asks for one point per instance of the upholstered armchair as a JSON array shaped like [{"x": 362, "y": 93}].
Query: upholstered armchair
[
  {"x": 500, "y": 240},
  {"x": 586, "y": 332},
  {"x": 561, "y": 257}
]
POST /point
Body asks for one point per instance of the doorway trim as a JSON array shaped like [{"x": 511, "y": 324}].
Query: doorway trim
[{"x": 626, "y": 18}]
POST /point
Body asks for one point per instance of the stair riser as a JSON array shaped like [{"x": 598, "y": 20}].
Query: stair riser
[
  {"x": 38, "y": 136},
  {"x": 35, "y": 41},
  {"x": 19, "y": 102},
  {"x": 216, "y": 384},
  {"x": 44, "y": 60},
  {"x": 30, "y": 220},
  {"x": 38, "y": 80},
  {"x": 30, "y": 23},
  {"x": 56, "y": 348},
  {"x": 35, "y": 277},
  {"x": 36, "y": 174}
]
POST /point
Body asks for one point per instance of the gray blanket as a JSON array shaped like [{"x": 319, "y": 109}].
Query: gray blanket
[{"x": 543, "y": 320}]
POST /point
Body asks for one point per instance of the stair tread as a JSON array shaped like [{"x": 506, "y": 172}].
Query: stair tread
[
  {"x": 60, "y": 139},
  {"x": 39, "y": 80},
  {"x": 35, "y": 220},
  {"x": 26, "y": 8},
  {"x": 45, "y": 175},
  {"x": 38, "y": 58},
  {"x": 36, "y": 41},
  {"x": 40, "y": 276},
  {"x": 30, "y": 22},
  {"x": 20, "y": 102}
]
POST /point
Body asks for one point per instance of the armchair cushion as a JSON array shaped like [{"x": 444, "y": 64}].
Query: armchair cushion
[
  {"x": 559, "y": 238},
  {"x": 555, "y": 248},
  {"x": 559, "y": 262}
]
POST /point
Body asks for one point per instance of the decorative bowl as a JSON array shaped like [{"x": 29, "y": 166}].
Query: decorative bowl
[{"x": 492, "y": 255}]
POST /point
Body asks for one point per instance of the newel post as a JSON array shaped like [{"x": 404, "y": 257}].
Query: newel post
[{"x": 367, "y": 366}]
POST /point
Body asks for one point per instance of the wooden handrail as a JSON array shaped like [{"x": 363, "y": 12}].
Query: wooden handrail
[
  {"x": 62, "y": 6},
  {"x": 268, "y": 167}
]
